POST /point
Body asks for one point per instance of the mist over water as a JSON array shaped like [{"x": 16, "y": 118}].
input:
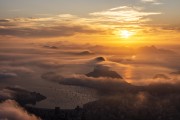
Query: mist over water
[{"x": 67, "y": 85}]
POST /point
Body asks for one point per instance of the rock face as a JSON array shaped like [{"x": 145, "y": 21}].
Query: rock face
[{"x": 100, "y": 71}]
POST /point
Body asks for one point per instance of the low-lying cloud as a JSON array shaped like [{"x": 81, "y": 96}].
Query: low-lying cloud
[
  {"x": 10, "y": 110},
  {"x": 51, "y": 31},
  {"x": 102, "y": 84},
  {"x": 4, "y": 75}
]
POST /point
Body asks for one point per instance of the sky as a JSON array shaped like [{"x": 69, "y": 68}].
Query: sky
[
  {"x": 115, "y": 20},
  {"x": 34, "y": 8}
]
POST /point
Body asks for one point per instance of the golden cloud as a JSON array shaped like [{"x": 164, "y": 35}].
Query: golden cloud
[{"x": 67, "y": 25}]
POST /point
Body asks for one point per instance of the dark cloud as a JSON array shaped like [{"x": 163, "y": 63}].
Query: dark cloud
[
  {"x": 53, "y": 31},
  {"x": 167, "y": 27},
  {"x": 4, "y": 20},
  {"x": 7, "y": 75},
  {"x": 154, "y": 50},
  {"x": 6, "y": 23}
]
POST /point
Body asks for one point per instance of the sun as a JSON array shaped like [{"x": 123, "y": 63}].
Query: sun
[{"x": 125, "y": 33}]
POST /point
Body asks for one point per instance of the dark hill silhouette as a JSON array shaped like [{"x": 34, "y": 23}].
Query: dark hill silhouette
[
  {"x": 100, "y": 59},
  {"x": 22, "y": 96},
  {"x": 86, "y": 52},
  {"x": 175, "y": 73},
  {"x": 100, "y": 71},
  {"x": 154, "y": 50}
]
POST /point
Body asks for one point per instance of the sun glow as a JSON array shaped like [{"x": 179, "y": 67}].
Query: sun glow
[{"x": 125, "y": 34}]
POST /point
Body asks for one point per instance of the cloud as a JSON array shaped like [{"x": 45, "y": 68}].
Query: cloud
[
  {"x": 154, "y": 50},
  {"x": 56, "y": 26},
  {"x": 154, "y": 2},
  {"x": 7, "y": 75},
  {"x": 60, "y": 64},
  {"x": 10, "y": 74},
  {"x": 4, "y": 20},
  {"x": 15, "y": 69},
  {"x": 108, "y": 85},
  {"x": 148, "y": 0},
  {"x": 123, "y": 16},
  {"x": 54, "y": 31},
  {"x": 170, "y": 28},
  {"x": 161, "y": 76},
  {"x": 101, "y": 84},
  {"x": 102, "y": 22},
  {"x": 10, "y": 110}
]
